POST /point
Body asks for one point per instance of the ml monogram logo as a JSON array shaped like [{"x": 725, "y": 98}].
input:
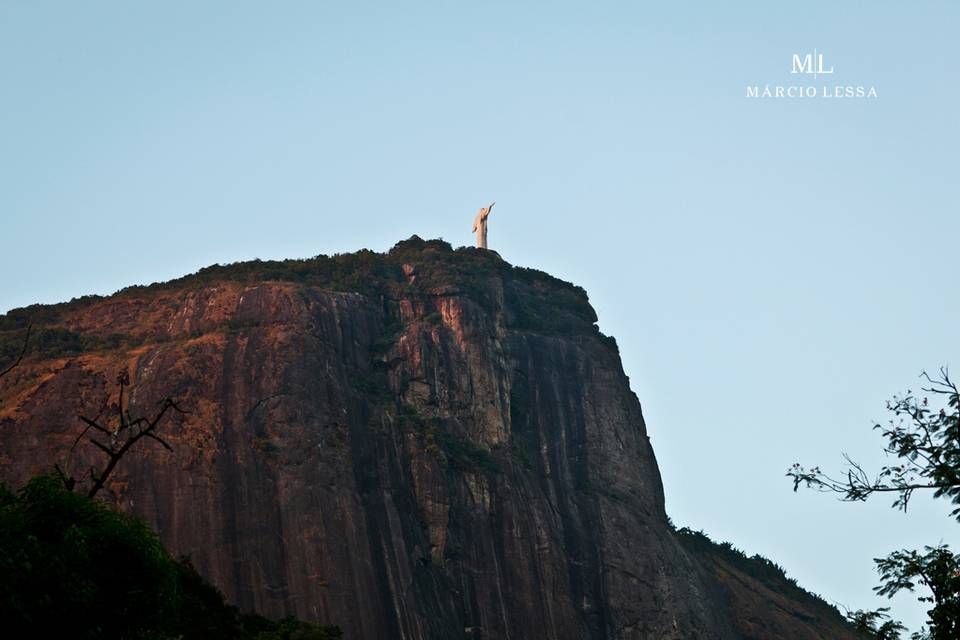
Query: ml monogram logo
[{"x": 806, "y": 63}]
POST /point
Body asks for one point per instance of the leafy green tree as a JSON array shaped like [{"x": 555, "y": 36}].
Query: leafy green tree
[
  {"x": 937, "y": 569},
  {"x": 72, "y": 567},
  {"x": 926, "y": 441},
  {"x": 924, "y": 437},
  {"x": 876, "y": 624}
]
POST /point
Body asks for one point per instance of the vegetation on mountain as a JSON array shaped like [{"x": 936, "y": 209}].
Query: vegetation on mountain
[
  {"x": 399, "y": 444},
  {"x": 764, "y": 570},
  {"x": 538, "y": 301}
]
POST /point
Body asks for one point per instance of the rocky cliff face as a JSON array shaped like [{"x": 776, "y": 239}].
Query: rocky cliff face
[{"x": 422, "y": 444}]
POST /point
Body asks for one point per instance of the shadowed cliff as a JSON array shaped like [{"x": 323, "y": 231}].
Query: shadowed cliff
[{"x": 426, "y": 443}]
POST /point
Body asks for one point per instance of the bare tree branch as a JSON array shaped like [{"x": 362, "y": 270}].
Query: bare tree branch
[
  {"x": 926, "y": 441},
  {"x": 160, "y": 440},
  {"x": 128, "y": 432},
  {"x": 67, "y": 481}
]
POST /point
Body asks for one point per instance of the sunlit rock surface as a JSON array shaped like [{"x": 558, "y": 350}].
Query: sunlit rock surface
[{"x": 421, "y": 444}]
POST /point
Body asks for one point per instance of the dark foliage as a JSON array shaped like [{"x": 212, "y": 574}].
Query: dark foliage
[
  {"x": 876, "y": 624},
  {"x": 924, "y": 436},
  {"x": 938, "y": 569},
  {"x": 68, "y": 562},
  {"x": 536, "y": 305},
  {"x": 455, "y": 452},
  {"x": 15, "y": 358},
  {"x": 72, "y": 567},
  {"x": 57, "y": 342},
  {"x": 758, "y": 567}
]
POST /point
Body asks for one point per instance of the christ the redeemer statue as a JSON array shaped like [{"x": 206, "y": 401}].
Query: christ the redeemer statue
[{"x": 480, "y": 226}]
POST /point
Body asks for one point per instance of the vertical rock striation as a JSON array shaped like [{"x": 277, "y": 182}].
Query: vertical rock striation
[{"x": 421, "y": 444}]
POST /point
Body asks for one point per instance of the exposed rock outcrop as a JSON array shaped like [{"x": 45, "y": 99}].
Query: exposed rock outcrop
[{"x": 422, "y": 444}]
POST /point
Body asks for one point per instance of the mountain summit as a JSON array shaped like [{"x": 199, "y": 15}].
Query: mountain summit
[{"x": 424, "y": 443}]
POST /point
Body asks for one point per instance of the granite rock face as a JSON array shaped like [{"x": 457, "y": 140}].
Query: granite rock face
[{"x": 422, "y": 444}]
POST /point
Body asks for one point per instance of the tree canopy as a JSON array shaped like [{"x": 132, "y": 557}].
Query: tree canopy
[
  {"x": 70, "y": 566},
  {"x": 923, "y": 435}
]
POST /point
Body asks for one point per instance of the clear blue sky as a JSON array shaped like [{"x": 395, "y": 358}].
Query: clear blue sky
[{"x": 773, "y": 270}]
